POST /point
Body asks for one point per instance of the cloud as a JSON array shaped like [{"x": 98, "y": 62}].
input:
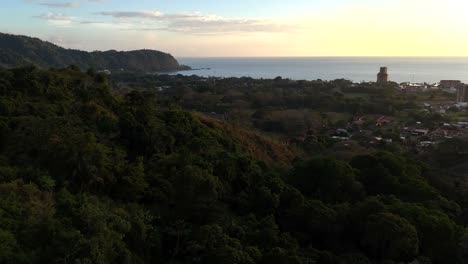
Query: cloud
[
  {"x": 60, "y": 5},
  {"x": 87, "y": 22},
  {"x": 197, "y": 23},
  {"x": 56, "y": 18},
  {"x": 146, "y": 14}
]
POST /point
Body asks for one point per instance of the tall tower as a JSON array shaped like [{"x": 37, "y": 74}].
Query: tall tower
[{"x": 382, "y": 76}]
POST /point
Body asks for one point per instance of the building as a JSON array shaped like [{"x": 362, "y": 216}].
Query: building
[
  {"x": 419, "y": 132},
  {"x": 107, "y": 72},
  {"x": 449, "y": 83},
  {"x": 413, "y": 87},
  {"x": 382, "y": 76},
  {"x": 462, "y": 94},
  {"x": 382, "y": 121}
]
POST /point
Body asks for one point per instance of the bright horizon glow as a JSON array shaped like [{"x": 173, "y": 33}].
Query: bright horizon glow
[{"x": 221, "y": 28}]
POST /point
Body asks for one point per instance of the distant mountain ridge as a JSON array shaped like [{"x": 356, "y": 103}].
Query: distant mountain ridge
[{"x": 18, "y": 50}]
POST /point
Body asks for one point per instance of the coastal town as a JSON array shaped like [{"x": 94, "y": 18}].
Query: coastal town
[{"x": 368, "y": 128}]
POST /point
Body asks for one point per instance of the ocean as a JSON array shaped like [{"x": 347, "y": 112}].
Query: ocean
[{"x": 401, "y": 69}]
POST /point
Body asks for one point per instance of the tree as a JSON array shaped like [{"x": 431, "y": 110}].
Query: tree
[
  {"x": 326, "y": 179},
  {"x": 388, "y": 236}
]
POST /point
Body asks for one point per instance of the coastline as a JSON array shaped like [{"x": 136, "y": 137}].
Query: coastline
[{"x": 356, "y": 69}]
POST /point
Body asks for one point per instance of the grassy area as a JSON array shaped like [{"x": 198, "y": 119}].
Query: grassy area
[
  {"x": 364, "y": 96},
  {"x": 459, "y": 116}
]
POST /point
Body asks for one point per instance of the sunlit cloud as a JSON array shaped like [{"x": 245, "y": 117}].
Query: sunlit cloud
[
  {"x": 57, "y": 18},
  {"x": 197, "y": 23},
  {"x": 86, "y": 22},
  {"x": 61, "y": 5}
]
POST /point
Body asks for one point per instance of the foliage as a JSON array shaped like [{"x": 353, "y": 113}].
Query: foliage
[
  {"x": 90, "y": 175},
  {"x": 21, "y": 50}
]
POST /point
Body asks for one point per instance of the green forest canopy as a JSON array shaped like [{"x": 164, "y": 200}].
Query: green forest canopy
[{"x": 88, "y": 175}]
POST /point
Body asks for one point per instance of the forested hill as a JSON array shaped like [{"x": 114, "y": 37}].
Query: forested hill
[
  {"x": 21, "y": 50},
  {"x": 89, "y": 175}
]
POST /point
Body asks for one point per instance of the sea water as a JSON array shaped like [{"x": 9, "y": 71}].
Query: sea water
[{"x": 400, "y": 69}]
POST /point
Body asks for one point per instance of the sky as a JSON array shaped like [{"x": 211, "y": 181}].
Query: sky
[{"x": 247, "y": 28}]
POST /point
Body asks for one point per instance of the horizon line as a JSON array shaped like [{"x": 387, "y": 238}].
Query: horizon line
[{"x": 331, "y": 56}]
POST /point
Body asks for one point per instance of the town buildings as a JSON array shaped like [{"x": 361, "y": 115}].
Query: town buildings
[
  {"x": 414, "y": 87},
  {"x": 449, "y": 84},
  {"x": 462, "y": 94}
]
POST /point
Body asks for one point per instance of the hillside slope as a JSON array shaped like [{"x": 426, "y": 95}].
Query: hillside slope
[
  {"x": 21, "y": 50},
  {"x": 257, "y": 146}
]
